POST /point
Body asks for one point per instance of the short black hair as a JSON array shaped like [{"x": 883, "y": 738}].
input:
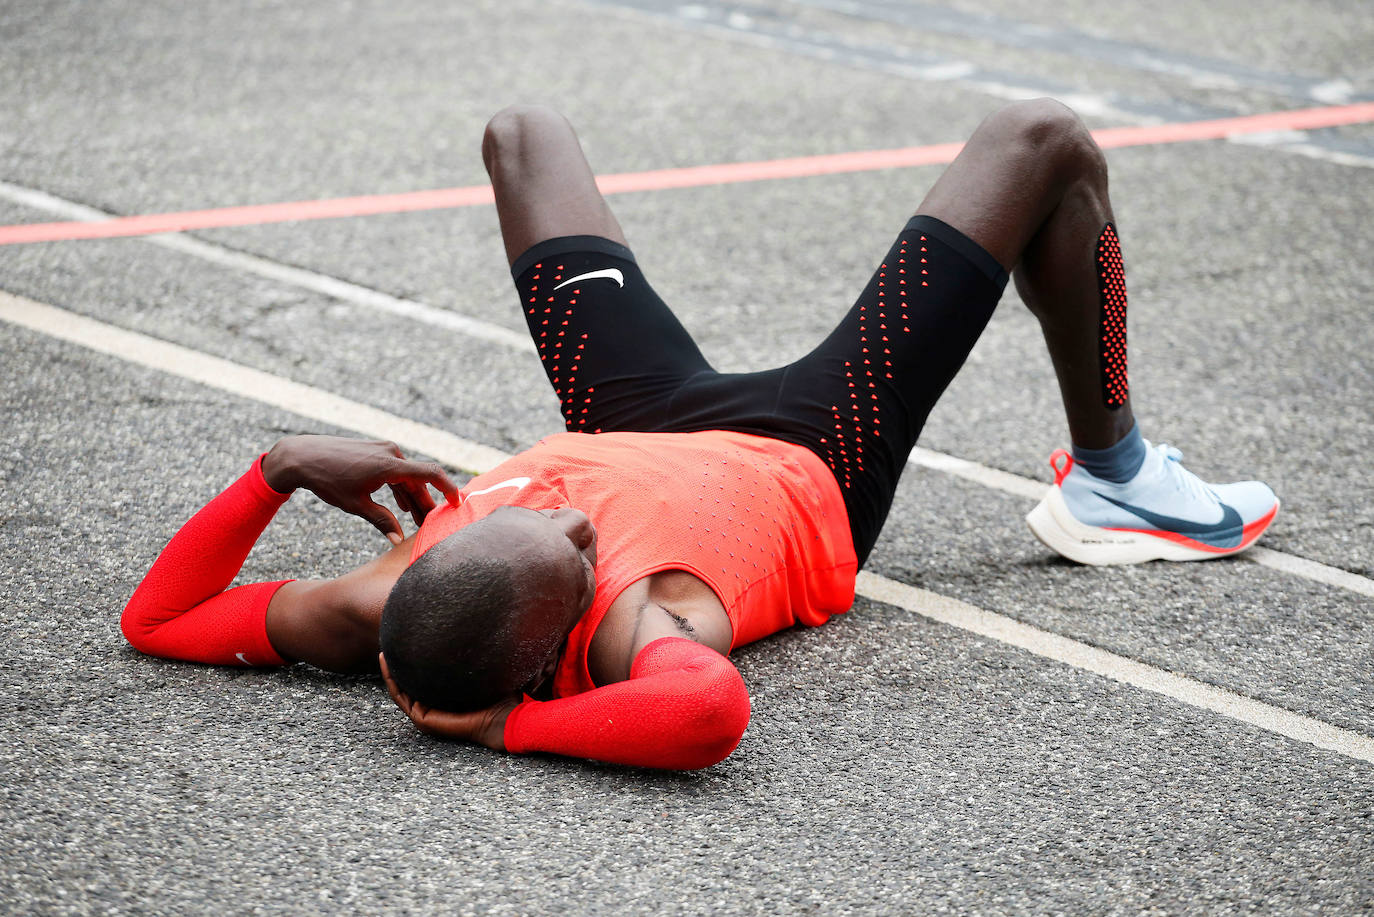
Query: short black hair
[{"x": 457, "y": 635}]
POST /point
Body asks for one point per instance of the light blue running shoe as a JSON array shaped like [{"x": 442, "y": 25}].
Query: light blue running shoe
[{"x": 1165, "y": 512}]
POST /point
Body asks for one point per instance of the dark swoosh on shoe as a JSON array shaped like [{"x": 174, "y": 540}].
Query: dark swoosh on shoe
[{"x": 1227, "y": 533}]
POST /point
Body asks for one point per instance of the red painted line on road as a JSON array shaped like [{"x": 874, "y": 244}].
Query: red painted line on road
[
  {"x": 661, "y": 179},
  {"x": 1302, "y": 120},
  {"x": 251, "y": 215}
]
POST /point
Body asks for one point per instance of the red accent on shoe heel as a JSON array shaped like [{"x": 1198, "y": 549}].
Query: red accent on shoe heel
[{"x": 1060, "y": 473}]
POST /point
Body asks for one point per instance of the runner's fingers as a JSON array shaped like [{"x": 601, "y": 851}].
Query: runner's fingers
[
  {"x": 401, "y": 494},
  {"x": 417, "y": 716},
  {"x": 464, "y": 726},
  {"x": 432, "y": 473},
  {"x": 421, "y": 502},
  {"x": 382, "y": 518},
  {"x": 414, "y": 499},
  {"x": 428, "y": 720},
  {"x": 410, "y": 472},
  {"x": 400, "y": 697}
]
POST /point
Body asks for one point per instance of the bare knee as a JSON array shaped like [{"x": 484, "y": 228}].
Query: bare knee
[
  {"x": 513, "y": 130},
  {"x": 1053, "y": 132}
]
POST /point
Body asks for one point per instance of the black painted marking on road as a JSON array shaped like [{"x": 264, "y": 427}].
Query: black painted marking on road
[
  {"x": 1195, "y": 69},
  {"x": 769, "y": 29},
  {"x": 766, "y": 28}
]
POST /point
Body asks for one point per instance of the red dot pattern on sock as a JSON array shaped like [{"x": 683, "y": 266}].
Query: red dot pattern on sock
[
  {"x": 1112, "y": 283},
  {"x": 560, "y": 347},
  {"x": 872, "y": 363}
]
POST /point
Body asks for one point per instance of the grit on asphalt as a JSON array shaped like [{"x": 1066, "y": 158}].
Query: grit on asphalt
[{"x": 893, "y": 764}]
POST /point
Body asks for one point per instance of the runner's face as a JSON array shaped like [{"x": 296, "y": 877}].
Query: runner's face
[
  {"x": 578, "y": 531},
  {"x": 556, "y": 548},
  {"x": 553, "y": 554}
]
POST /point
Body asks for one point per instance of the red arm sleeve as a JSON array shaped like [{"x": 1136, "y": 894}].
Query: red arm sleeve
[
  {"x": 181, "y": 610},
  {"x": 684, "y": 707}
]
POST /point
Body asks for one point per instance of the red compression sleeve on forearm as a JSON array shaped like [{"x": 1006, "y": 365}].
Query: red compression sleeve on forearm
[
  {"x": 684, "y": 707},
  {"x": 181, "y": 610}
]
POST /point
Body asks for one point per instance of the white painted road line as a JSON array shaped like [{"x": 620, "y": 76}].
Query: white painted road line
[
  {"x": 341, "y": 290},
  {"x": 341, "y": 412},
  {"x": 1309, "y": 569},
  {"x": 442, "y": 318},
  {"x": 245, "y": 381},
  {"x": 345, "y": 291},
  {"x": 994, "y": 478},
  {"x": 1119, "y": 668},
  {"x": 1035, "y": 490}
]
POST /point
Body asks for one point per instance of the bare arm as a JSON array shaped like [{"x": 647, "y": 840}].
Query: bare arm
[
  {"x": 683, "y": 707},
  {"x": 182, "y": 609},
  {"x": 332, "y": 624},
  {"x": 669, "y": 697}
]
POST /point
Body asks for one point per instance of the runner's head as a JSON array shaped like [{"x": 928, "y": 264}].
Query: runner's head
[{"x": 483, "y": 614}]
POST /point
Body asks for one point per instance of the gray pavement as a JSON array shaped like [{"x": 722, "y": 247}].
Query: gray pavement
[{"x": 892, "y": 765}]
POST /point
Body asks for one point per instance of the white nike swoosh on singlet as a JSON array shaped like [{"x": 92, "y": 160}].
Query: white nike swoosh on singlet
[
  {"x": 517, "y": 483},
  {"x": 240, "y": 658},
  {"x": 609, "y": 273}
]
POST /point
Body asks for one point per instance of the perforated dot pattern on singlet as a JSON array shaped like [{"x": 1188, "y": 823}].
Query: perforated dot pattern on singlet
[
  {"x": 758, "y": 520},
  {"x": 736, "y": 519},
  {"x": 1112, "y": 326},
  {"x": 560, "y": 348}
]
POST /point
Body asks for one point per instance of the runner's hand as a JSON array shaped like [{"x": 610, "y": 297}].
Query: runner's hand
[
  {"x": 346, "y": 472},
  {"x": 484, "y": 727}
]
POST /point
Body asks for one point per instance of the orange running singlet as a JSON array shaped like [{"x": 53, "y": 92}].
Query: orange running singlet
[{"x": 758, "y": 520}]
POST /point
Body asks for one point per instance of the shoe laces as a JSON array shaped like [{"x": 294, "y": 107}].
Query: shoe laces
[{"x": 1184, "y": 481}]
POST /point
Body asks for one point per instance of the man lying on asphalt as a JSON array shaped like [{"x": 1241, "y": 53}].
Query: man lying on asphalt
[{"x": 581, "y": 597}]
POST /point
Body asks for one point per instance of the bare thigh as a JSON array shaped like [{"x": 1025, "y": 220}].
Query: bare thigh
[{"x": 544, "y": 187}]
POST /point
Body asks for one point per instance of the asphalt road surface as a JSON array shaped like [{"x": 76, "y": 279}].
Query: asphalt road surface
[{"x": 1012, "y": 734}]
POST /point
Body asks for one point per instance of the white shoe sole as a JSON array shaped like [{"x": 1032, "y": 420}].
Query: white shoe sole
[{"x": 1059, "y": 531}]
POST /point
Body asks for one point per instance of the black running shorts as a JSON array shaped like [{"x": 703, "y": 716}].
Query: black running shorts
[{"x": 618, "y": 359}]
